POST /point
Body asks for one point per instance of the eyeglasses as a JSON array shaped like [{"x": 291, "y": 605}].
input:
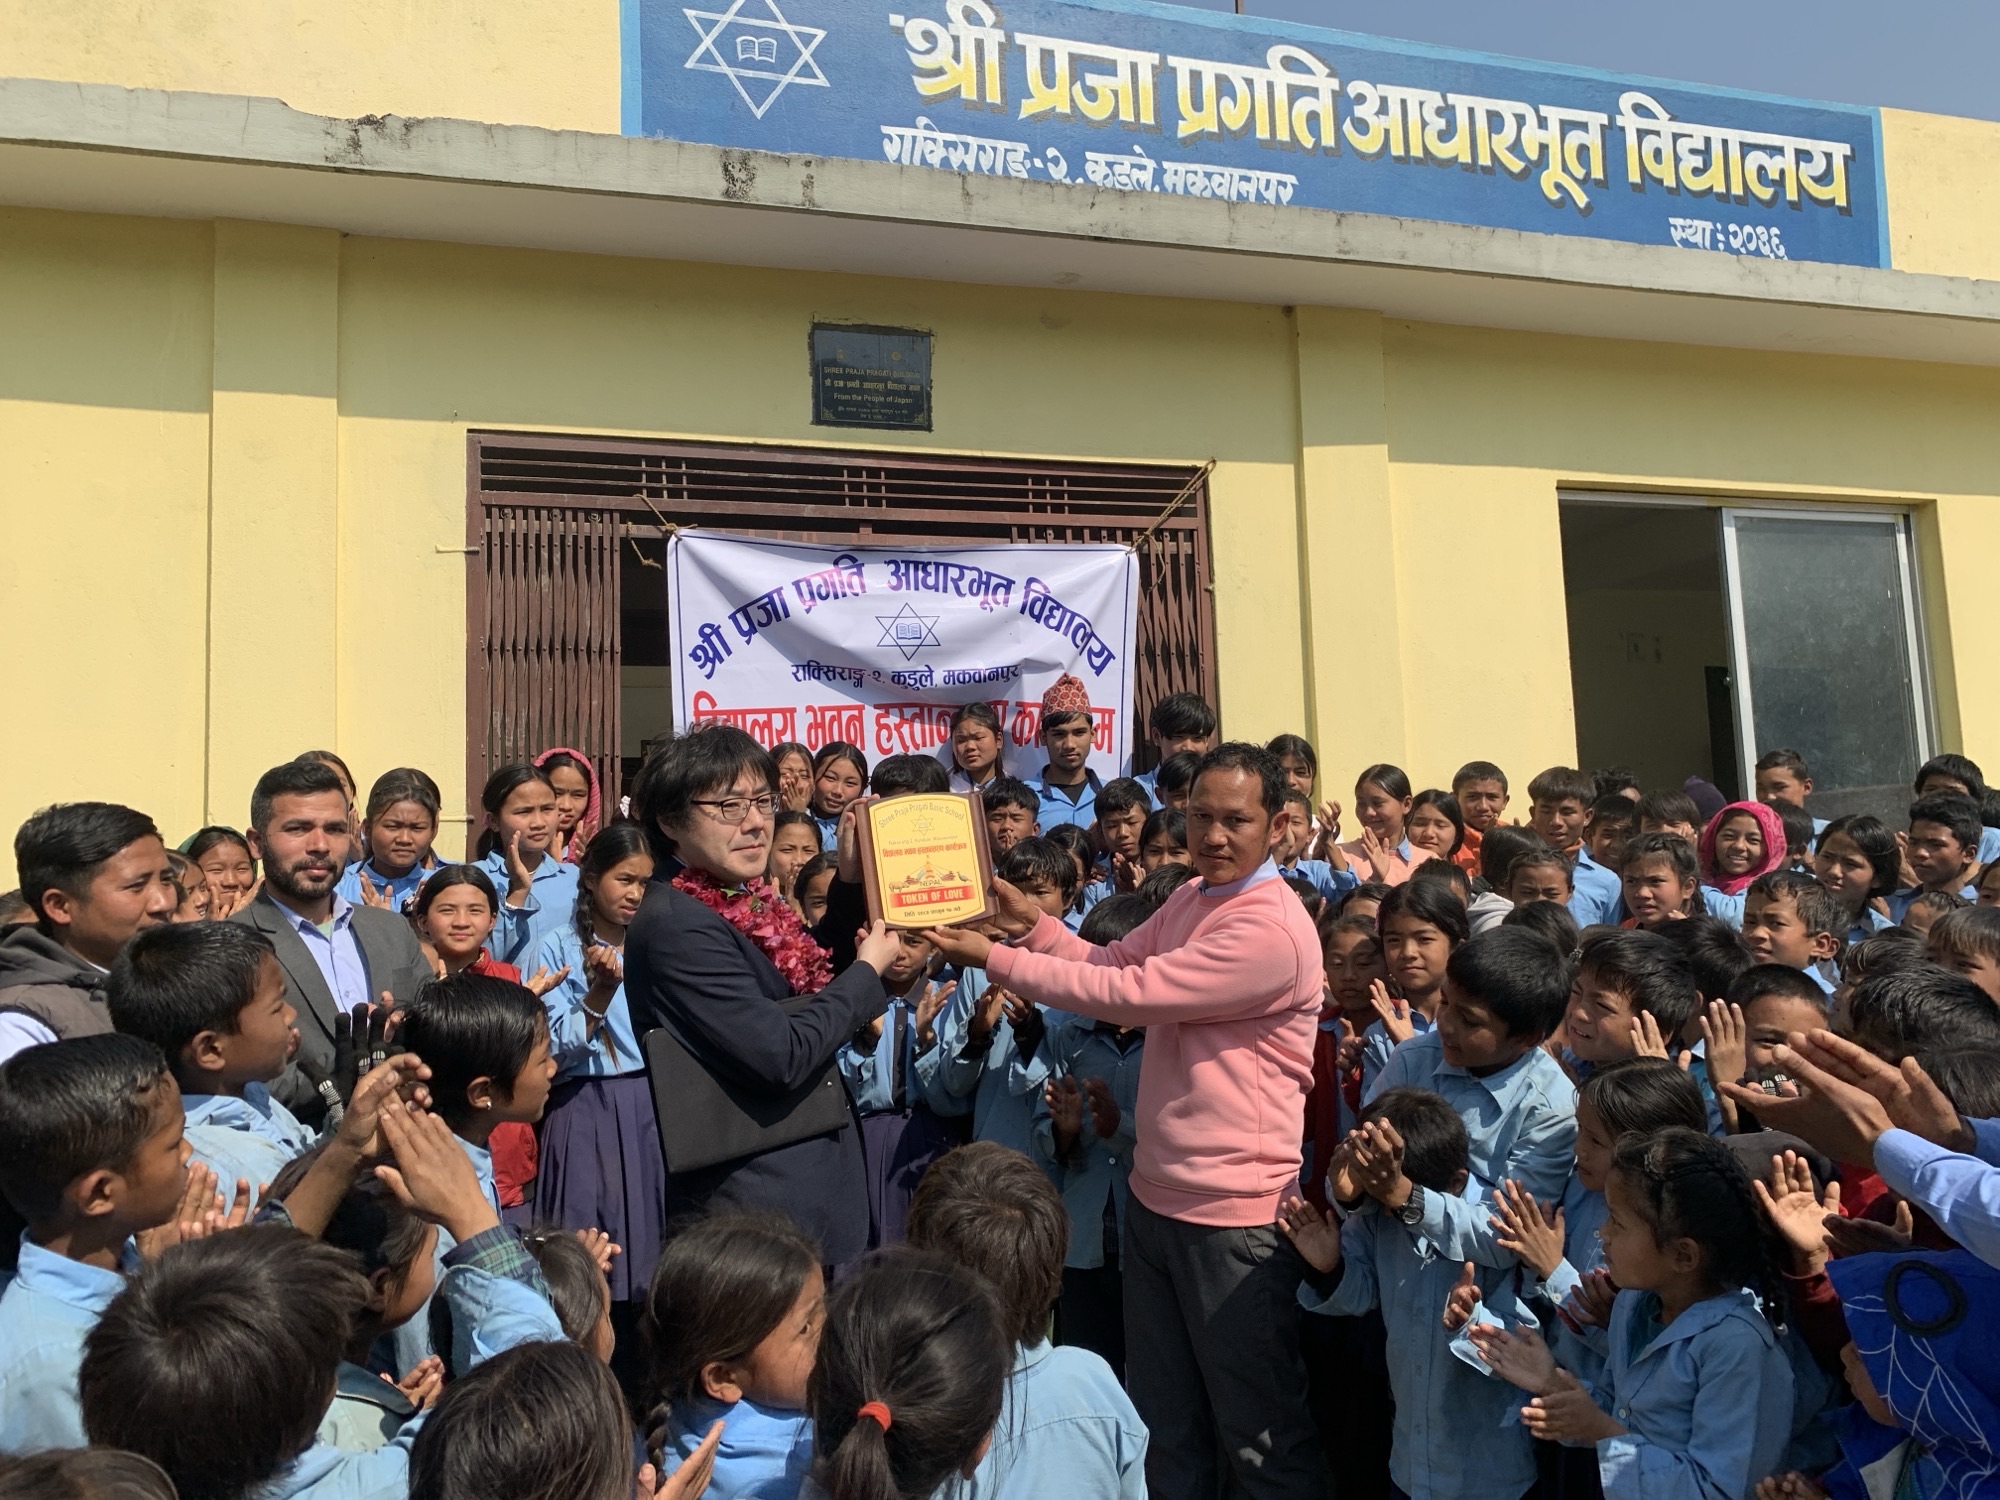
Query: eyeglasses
[{"x": 733, "y": 810}]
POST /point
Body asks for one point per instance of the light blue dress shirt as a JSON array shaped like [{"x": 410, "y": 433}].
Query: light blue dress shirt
[
  {"x": 1076, "y": 805},
  {"x": 1376, "y": 1048},
  {"x": 1867, "y": 924},
  {"x": 1150, "y": 781},
  {"x": 337, "y": 952},
  {"x": 1066, "y": 1429},
  {"x": 490, "y": 1313},
  {"x": 995, "y": 1086},
  {"x": 764, "y": 1453},
  {"x": 1706, "y": 1402},
  {"x": 1901, "y": 901},
  {"x": 550, "y": 905},
  {"x": 1962, "y": 1193},
  {"x": 1331, "y": 884},
  {"x": 1597, "y": 895},
  {"x": 1096, "y": 1172},
  {"x": 614, "y": 1048},
  {"x": 245, "y": 1139},
  {"x": 1522, "y": 1125},
  {"x": 894, "y": 1075},
  {"x": 1457, "y": 1433},
  {"x": 1729, "y": 908},
  {"x": 1989, "y": 845},
  {"x": 400, "y": 887},
  {"x": 46, "y": 1312},
  {"x": 411, "y": 1343}
]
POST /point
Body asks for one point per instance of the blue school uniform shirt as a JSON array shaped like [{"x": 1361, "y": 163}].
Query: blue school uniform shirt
[
  {"x": 498, "y": 1300},
  {"x": 1456, "y": 1435},
  {"x": 1092, "y": 1177},
  {"x": 579, "y": 1053},
  {"x": 1727, "y": 907},
  {"x": 829, "y": 831},
  {"x": 400, "y": 887},
  {"x": 1597, "y": 895},
  {"x": 1521, "y": 1122},
  {"x": 895, "y": 1075},
  {"x": 46, "y": 1312},
  {"x": 1901, "y": 901},
  {"x": 1150, "y": 781},
  {"x": 1989, "y": 845},
  {"x": 1706, "y": 1401},
  {"x": 1376, "y": 1048},
  {"x": 1583, "y": 1213},
  {"x": 1076, "y": 805},
  {"x": 1066, "y": 1428},
  {"x": 1867, "y": 924},
  {"x": 764, "y": 1453},
  {"x": 411, "y": 1343},
  {"x": 550, "y": 905},
  {"x": 996, "y": 1086},
  {"x": 1962, "y": 1193},
  {"x": 243, "y": 1139},
  {"x": 1331, "y": 884}
]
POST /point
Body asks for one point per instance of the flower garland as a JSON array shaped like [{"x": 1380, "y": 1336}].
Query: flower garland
[{"x": 767, "y": 919}]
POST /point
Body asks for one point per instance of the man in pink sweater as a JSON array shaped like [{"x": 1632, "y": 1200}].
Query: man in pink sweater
[{"x": 1226, "y": 980}]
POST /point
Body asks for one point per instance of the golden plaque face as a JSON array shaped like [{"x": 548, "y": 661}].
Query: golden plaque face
[{"x": 925, "y": 860}]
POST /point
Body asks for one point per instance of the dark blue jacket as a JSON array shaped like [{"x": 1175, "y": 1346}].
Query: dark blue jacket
[{"x": 688, "y": 970}]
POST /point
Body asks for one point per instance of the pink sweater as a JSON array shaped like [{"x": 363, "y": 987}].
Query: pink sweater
[{"x": 1228, "y": 989}]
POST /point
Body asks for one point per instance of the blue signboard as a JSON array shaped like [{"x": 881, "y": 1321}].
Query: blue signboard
[{"x": 1153, "y": 98}]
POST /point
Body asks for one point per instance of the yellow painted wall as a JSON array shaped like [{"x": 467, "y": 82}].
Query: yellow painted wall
[
  {"x": 1387, "y": 556},
  {"x": 1944, "y": 193}
]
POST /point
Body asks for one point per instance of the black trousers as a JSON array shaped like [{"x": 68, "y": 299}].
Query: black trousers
[
  {"x": 1091, "y": 1314},
  {"x": 1212, "y": 1340}
]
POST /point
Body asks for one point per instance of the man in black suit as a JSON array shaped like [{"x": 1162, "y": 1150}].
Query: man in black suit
[{"x": 335, "y": 956}]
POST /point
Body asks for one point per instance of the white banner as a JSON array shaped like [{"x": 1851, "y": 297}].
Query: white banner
[{"x": 877, "y": 645}]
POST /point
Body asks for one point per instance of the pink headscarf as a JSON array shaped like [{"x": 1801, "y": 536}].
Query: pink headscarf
[
  {"x": 587, "y": 824},
  {"x": 1768, "y": 823}
]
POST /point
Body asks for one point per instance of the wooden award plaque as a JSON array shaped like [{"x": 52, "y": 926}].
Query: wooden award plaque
[{"x": 925, "y": 860}]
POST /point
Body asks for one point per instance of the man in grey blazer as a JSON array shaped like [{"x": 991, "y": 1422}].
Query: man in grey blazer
[{"x": 335, "y": 955}]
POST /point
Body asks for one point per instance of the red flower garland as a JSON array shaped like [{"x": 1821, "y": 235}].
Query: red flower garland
[{"x": 767, "y": 919}]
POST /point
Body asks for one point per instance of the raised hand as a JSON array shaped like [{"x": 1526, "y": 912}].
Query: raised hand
[
  {"x": 1531, "y": 1230},
  {"x": 1375, "y": 852},
  {"x": 1347, "y": 1054},
  {"x": 600, "y": 1247},
  {"x": 1865, "y": 1236},
  {"x": 431, "y": 1174},
  {"x": 1378, "y": 1163},
  {"x": 1393, "y": 1011},
  {"x": 1725, "y": 1043},
  {"x": 1837, "y": 1117},
  {"x": 690, "y": 1480},
  {"x": 197, "y": 1214},
  {"x": 847, "y": 843},
  {"x": 370, "y": 896},
  {"x": 1029, "y": 1025},
  {"x": 1516, "y": 1355},
  {"x": 1463, "y": 1299},
  {"x": 1065, "y": 1101},
  {"x": 1341, "y": 1185},
  {"x": 1565, "y": 1413},
  {"x": 1646, "y": 1038},
  {"x": 1104, "y": 1111},
  {"x": 1914, "y": 1102},
  {"x": 930, "y": 1005},
  {"x": 604, "y": 969},
  {"x": 1315, "y": 1236},
  {"x": 1797, "y": 1211},
  {"x": 986, "y": 1013},
  {"x": 1125, "y": 873}
]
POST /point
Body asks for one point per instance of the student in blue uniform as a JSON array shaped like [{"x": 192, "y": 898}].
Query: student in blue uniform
[
  {"x": 398, "y": 831},
  {"x": 517, "y": 852},
  {"x": 1942, "y": 850},
  {"x": 1599, "y": 898},
  {"x": 1955, "y": 773},
  {"x": 840, "y": 774},
  {"x": 1859, "y": 859},
  {"x": 1123, "y": 805},
  {"x": 1179, "y": 722},
  {"x": 1067, "y": 786}
]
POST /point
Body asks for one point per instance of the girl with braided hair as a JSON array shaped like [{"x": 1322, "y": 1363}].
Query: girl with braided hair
[{"x": 1694, "y": 1399}]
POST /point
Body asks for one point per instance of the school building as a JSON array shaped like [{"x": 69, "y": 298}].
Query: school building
[{"x": 355, "y": 360}]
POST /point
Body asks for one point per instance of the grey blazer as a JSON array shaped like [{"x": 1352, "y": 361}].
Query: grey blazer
[{"x": 389, "y": 951}]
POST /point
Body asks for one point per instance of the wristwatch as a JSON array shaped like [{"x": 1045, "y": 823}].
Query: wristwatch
[{"x": 1412, "y": 1211}]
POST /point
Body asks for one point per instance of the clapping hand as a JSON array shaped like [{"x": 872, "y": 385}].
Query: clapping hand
[
  {"x": 1865, "y": 1236},
  {"x": 1104, "y": 1111},
  {"x": 424, "y": 1384},
  {"x": 1393, "y": 1011},
  {"x": 600, "y": 1247},
  {"x": 1799, "y": 1214},
  {"x": 1590, "y": 1304},
  {"x": 431, "y": 1175},
  {"x": 930, "y": 1005},
  {"x": 1065, "y": 1101},
  {"x": 1312, "y": 1233},
  {"x": 1516, "y": 1355},
  {"x": 1566, "y": 1414},
  {"x": 1378, "y": 1163},
  {"x": 1531, "y": 1230}
]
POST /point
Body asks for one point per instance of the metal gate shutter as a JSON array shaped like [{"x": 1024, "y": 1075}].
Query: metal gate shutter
[{"x": 548, "y": 515}]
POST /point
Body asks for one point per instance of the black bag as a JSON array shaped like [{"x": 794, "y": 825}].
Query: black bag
[{"x": 705, "y": 1120}]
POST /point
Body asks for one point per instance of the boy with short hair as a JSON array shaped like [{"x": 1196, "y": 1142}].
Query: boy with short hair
[
  {"x": 1776, "y": 1000},
  {"x": 1455, "y": 1433},
  {"x": 1504, "y": 993},
  {"x": 93, "y": 874},
  {"x": 1327, "y": 882},
  {"x": 211, "y": 996},
  {"x": 1013, "y": 812},
  {"x": 1174, "y": 779},
  {"x": 1558, "y": 804},
  {"x": 1792, "y": 919},
  {"x": 1503, "y": 844},
  {"x": 1067, "y": 1427},
  {"x": 95, "y": 1154},
  {"x": 1783, "y": 779},
  {"x": 1540, "y": 875},
  {"x": 1956, "y": 773},
  {"x": 1670, "y": 811},
  {"x": 1481, "y": 790},
  {"x": 1967, "y": 942},
  {"x": 1942, "y": 850},
  {"x": 1068, "y": 788},
  {"x": 1122, "y": 807},
  {"x": 1599, "y": 890},
  {"x": 1634, "y": 994},
  {"x": 1179, "y": 722}
]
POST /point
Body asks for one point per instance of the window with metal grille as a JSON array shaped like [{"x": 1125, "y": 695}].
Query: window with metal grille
[{"x": 566, "y": 534}]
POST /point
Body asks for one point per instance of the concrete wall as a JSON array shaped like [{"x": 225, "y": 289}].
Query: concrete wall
[{"x": 234, "y": 457}]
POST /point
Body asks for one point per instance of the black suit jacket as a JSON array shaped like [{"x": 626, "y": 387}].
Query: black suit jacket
[
  {"x": 394, "y": 960},
  {"x": 688, "y": 970}
]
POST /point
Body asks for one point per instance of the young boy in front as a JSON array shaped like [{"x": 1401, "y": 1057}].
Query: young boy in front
[
  {"x": 1559, "y": 805},
  {"x": 1599, "y": 898},
  {"x": 1331, "y": 883},
  {"x": 1454, "y": 1437},
  {"x": 1122, "y": 807},
  {"x": 211, "y": 996},
  {"x": 1792, "y": 919},
  {"x": 1633, "y": 995},
  {"x": 95, "y": 1154},
  {"x": 1013, "y": 813},
  {"x": 1943, "y": 849},
  {"x": 1481, "y": 790},
  {"x": 1504, "y": 993},
  {"x": 1067, "y": 1427},
  {"x": 1068, "y": 787}
]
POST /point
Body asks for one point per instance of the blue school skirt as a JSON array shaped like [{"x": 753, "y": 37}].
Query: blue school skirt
[
  {"x": 601, "y": 1169},
  {"x": 898, "y": 1145}
]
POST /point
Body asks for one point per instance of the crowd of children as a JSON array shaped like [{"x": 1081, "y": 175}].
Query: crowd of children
[{"x": 1640, "y": 1153}]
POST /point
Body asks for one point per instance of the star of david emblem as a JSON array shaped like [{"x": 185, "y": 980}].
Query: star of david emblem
[
  {"x": 908, "y": 632},
  {"x": 749, "y": 50}
]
